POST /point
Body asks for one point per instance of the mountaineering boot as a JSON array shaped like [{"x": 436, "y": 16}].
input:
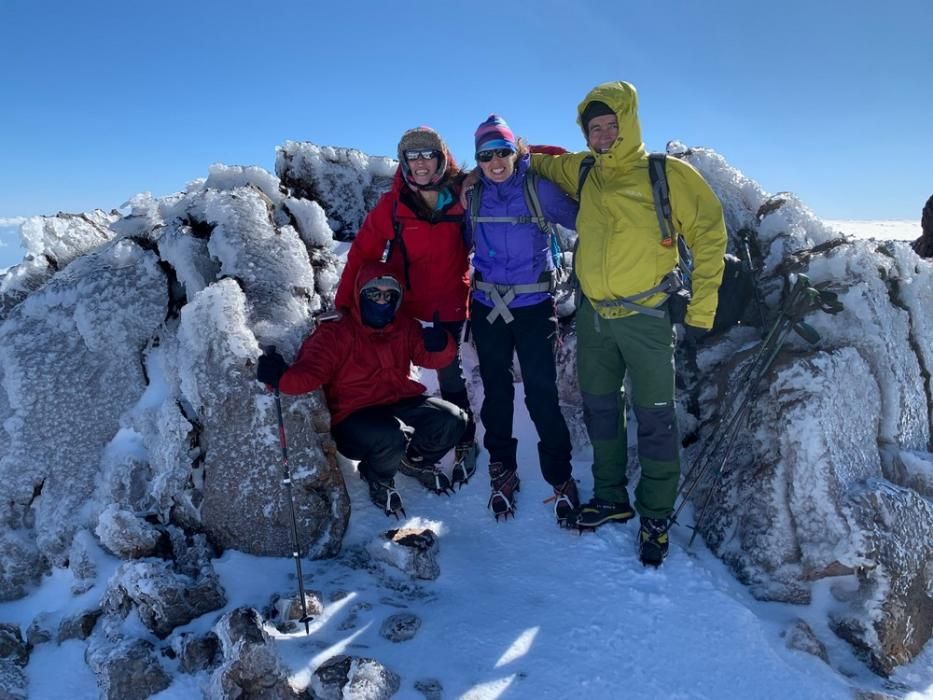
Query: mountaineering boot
[
  {"x": 428, "y": 475},
  {"x": 566, "y": 502},
  {"x": 384, "y": 495},
  {"x": 598, "y": 512},
  {"x": 653, "y": 541},
  {"x": 464, "y": 463},
  {"x": 504, "y": 482}
]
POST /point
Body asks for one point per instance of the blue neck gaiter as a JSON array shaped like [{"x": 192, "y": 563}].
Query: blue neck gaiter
[{"x": 376, "y": 315}]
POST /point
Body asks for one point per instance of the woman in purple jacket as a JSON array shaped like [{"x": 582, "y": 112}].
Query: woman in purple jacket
[{"x": 513, "y": 310}]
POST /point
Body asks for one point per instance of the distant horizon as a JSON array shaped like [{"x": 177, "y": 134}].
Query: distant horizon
[{"x": 12, "y": 253}]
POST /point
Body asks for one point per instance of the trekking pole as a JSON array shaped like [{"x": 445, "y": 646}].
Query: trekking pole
[
  {"x": 727, "y": 431},
  {"x": 745, "y": 237},
  {"x": 287, "y": 481},
  {"x": 802, "y": 298},
  {"x": 774, "y": 338}
]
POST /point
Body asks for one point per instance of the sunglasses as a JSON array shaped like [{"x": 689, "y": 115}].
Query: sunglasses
[
  {"x": 421, "y": 155},
  {"x": 486, "y": 156},
  {"x": 380, "y": 296}
]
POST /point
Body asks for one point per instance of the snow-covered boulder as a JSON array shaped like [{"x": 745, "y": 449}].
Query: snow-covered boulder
[
  {"x": 70, "y": 366},
  {"x": 892, "y": 617},
  {"x": 167, "y": 593},
  {"x": 251, "y": 667},
  {"x": 129, "y": 399},
  {"x": 51, "y": 243},
  {"x": 353, "y": 677},
  {"x": 804, "y": 495},
  {"x": 126, "y": 668},
  {"x": 344, "y": 182}
]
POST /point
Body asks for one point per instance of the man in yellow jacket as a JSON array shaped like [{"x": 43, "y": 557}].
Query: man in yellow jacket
[{"x": 623, "y": 325}]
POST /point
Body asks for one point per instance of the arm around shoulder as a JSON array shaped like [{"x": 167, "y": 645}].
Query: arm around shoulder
[{"x": 562, "y": 170}]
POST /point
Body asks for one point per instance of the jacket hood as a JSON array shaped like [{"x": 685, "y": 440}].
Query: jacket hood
[
  {"x": 622, "y": 98},
  {"x": 368, "y": 272}
]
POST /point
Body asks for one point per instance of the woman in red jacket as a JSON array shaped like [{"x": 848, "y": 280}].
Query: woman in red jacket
[
  {"x": 379, "y": 414},
  {"x": 417, "y": 229}
]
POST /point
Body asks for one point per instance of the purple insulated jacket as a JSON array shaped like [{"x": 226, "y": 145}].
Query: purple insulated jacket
[{"x": 513, "y": 253}]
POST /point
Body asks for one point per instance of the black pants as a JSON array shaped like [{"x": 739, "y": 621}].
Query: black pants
[
  {"x": 531, "y": 335},
  {"x": 453, "y": 385},
  {"x": 379, "y": 435}
]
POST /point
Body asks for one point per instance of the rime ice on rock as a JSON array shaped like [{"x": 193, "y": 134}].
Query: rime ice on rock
[
  {"x": 804, "y": 496},
  {"x": 345, "y": 182}
]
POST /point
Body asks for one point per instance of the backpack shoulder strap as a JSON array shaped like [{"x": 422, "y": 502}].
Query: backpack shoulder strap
[
  {"x": 657, "y": 170},
  {"x": 390, "y": 244},
  {"x": 476, "y": 196},
  {"x": 585, "y": 166},
  {"x": 533, "y": 202},
  {"x": 660, "y": 191}
]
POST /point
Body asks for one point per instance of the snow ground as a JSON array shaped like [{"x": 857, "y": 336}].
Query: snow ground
[
  {"x": 522, "y": 609},
  {"x": 888, "y": 229}
]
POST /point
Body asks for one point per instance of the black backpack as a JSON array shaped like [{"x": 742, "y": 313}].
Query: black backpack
[{"x": 737, "y": 285}]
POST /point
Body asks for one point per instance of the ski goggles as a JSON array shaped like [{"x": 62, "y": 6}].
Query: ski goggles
[
  {"x": 380, "y": 296},
  {"x": 486, "y": 156},
  {"x": 422, "y": 155}
]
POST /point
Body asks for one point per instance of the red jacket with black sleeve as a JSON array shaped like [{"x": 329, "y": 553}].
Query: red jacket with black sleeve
[
  {"x": 429, "y": 257},
  {"x": 359, "y": 366}
]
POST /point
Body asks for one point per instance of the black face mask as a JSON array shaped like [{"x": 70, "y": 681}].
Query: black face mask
[{"x": 376, "y": 315}]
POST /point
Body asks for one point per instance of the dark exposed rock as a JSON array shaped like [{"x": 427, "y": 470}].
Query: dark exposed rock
[
  {"x": 79, "y": 626},
  {"x": 287, "y": 611},
  {"x": 251, "y": 668},
  {"x": 197, "y": 653},
  {"x": 892, "y": 617},
  {"x": 41, "y": 630},
  {"x": 431, "y": 688},
  {"x": 13, "y": 682},
  {"x": 349, "y": 677},
  {"x": 410, "y": 550},
  {"x": 12, "y": 646},
  {"x": 164, "y": 598},
  {"x": 400, "y": 627},
  {"x": 801, "y": 637},
  {"x": 126, "y": 669}
]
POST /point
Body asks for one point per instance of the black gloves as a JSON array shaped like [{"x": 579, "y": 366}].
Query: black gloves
[
  {"x": 271, "y": 367},
  {"x": 694, "y": 334},
  {"x": 435, "y": 337}
]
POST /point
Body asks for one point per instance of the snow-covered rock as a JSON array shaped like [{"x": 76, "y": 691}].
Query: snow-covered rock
[
  {"x": 353, "y": 677},
  {"x": 804, "y": 495},
  {"x": 344, "y": 182},
  {"x": 251, "y": 667},
  {"x": 411, "y": 550},
  {"x": 70, "y": 366}
]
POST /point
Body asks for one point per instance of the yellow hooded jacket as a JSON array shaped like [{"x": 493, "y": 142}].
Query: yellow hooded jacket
[{"x": 620, "y": 252}]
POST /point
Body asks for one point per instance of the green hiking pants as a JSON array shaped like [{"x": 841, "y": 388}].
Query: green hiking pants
[{"x": 644, "y": 347}]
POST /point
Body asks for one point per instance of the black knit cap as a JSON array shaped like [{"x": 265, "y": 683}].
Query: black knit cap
[{"x": 592, "y": 110}]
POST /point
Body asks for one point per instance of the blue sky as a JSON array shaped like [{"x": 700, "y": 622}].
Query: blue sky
[{"x": 100, "y": 100}]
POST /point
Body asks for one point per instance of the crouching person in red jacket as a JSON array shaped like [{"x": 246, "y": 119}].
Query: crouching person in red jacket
[{"x": 379, "y": 414}]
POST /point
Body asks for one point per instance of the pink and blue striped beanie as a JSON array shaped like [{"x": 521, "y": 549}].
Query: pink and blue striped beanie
[{"x": 494, "y": 133}]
